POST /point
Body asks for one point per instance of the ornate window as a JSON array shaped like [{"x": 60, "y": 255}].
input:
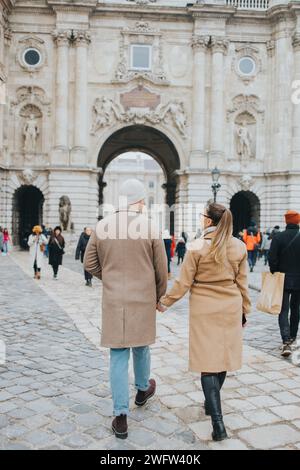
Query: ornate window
[
  {"x": 141, "y": 57},
  {"x": 247, "y": 63},
  {"x": 31, "y": 53}
]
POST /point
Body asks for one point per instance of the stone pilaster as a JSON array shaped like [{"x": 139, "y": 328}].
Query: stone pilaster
[
  {"x": 282, "y": 98},
  {"x": 219, "y": 47},
  {"x": 296, "y": 104},
  {"x": 199, "y": 45},
  {"x": 60, "y": 154},
  {"x": 78, "y": 154}
]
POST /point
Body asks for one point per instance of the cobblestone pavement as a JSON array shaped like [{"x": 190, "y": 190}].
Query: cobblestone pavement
[{"x": 54, "y": 390}]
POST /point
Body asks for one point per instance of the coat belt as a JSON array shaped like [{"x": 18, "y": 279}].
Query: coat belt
[{"x": 218, "y": 283}]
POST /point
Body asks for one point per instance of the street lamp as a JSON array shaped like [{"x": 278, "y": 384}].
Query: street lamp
[{"x": 215, "y": 174}]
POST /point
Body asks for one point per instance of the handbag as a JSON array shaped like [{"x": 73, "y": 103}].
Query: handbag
[
  {"x": 60, "y": 247},
  {"x": 271, "y": 294}
]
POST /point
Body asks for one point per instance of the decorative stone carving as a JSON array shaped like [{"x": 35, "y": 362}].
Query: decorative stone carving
[
  {"x": 270, "y": 48},
  {"x": 30, "y": 133},
  {"x": 139, "y": 97},
  {"x": 245, "y": 136},
  {"x": 36, "y": 43},
  {"x": 106, "y": 111},
  {"x": 247, "y": 51},
  {"x": 245, "y": 103},
  {"x": 243, "y": 141},
  {"x": 62, "y": 37},
  {"x": 31, "y": 95},
  {"x": 64, "y": 210},
  {"x": 31, "y": 104},
  {"x": 200, "y": 42},
  {"x": 296, "y": 41},
  {"x": 141, "y": 33},
  {"x": 81, "y": 37},
  {"x": 28, "y": 176},
  {"x": 219, "y": 44},
  {"x": 246, "y": 182}
]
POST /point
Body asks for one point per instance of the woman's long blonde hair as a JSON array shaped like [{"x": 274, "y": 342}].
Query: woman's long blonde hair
[{"x": 221, "y": 218}]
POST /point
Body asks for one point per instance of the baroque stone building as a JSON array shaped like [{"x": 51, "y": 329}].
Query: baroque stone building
[{"x": 194, "y": 84}]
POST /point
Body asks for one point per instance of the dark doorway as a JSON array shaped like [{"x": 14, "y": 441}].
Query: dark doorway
[
  {"x": 27, "y": 212},
  {"x": 150, "y": 141},
  {"x": 245, "y": 208}
]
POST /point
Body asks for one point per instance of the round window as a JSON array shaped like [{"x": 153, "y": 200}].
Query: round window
[
  {"x": 32, "y": 57},
  {"x": 246, "y": 66}
]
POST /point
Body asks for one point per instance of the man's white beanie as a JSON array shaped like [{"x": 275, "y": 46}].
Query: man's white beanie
[{"x": 132, "y": 191}]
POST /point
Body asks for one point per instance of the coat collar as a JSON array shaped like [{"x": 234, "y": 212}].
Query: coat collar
[{"x": 209, "y": 232}]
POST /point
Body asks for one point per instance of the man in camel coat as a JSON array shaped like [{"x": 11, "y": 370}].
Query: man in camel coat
[{"x": 128, "y": 255}]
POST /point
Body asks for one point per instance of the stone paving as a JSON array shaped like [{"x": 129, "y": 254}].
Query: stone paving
[{"x": 54, "y": 389}]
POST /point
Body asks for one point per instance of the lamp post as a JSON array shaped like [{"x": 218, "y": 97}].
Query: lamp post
[{"x": 215, "y": 174}]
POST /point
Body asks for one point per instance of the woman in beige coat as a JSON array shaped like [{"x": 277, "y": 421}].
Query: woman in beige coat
[{"x": 214, "y": 270}]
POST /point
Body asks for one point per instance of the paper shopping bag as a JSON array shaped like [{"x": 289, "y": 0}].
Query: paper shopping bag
[{"x": 270, "y": 297}]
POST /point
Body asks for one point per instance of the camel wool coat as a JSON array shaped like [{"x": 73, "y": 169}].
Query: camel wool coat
[
  {"x": 218, "y": 298},
  {"x": 134, "y": 276}
]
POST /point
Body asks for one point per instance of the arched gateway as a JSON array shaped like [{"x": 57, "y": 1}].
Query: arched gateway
[{"x": 145, "y": 139}]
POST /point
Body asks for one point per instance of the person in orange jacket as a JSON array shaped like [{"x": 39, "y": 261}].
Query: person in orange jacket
[
  {"x": 173, "y": 246},
  {"x": 252, "y": 239}
]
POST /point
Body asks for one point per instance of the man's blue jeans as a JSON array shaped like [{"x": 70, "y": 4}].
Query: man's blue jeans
[{"x": 119, "y": 359}]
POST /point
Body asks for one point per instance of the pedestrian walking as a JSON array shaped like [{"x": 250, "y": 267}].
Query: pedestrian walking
[
  {"x": 265, "y": 246},
  {"x": 37, "y": 242},
  {"x": 180, "y": 250},
  {"x": 168, "y": 246},
  {"x": 128, "y": 255},
  {"x": 1, "y": 239},
  {"x": 56, "y": 250},
  {"x": 80, "y": 250},
  {"x": 284, "y": 257},
  {"x": 252, "y": 238},
  {"x": 6, "y": 241},
  {"x": 214, "y": 270}
]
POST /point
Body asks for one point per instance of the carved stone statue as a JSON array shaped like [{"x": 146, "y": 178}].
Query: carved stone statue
[
  {"x": 65, "y": 212},
  {"x": 176, "y": 110},
  {"x": 30, "y": 133},
  {"x": 243, "y": 141},
  {"x": 104, "y": 110}
]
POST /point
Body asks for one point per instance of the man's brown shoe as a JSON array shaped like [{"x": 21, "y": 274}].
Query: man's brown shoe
[
  {"x": 119, "y": 427},
  {"x": 142, "y": 397}
]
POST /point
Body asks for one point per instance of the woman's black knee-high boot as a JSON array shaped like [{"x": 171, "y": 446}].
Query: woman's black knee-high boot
[
  {"x": 211, "y": 389},
  {"x": 221, "y": 377}
]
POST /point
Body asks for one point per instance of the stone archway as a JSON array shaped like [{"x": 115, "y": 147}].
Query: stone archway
[
  {"x": 148, "y": 140},
  {"x": 27, "y": 211},
  {"x": 245, "y": 208}
]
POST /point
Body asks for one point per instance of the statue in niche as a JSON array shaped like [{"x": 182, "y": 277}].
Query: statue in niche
[
  {"x": 30, "y": 133},
  {"x": 243, "y": 141},
  {"x": 65, "y": 212}
]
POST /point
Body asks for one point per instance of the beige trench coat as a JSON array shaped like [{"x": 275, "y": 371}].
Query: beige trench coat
[
  {"x": 218, "y": 297},
  {"x": 134, "y": 276}
]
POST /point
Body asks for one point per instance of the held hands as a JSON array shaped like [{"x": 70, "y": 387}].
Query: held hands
[{"x": 161, "y": 308}]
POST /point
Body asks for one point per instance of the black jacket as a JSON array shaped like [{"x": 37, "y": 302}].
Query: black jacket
[
  {"x": 81, "y": 246},
  {"x": 55, "y": 252},
  {"x": 284, "y": 255}
]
